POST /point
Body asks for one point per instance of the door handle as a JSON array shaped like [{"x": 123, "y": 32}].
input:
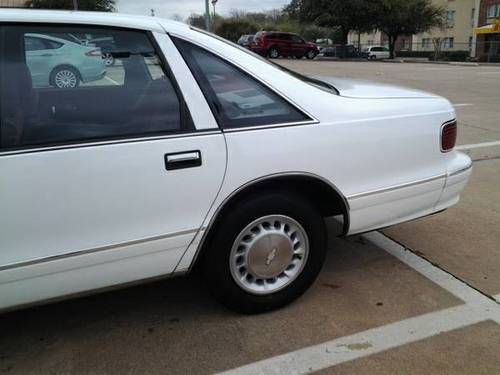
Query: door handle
[{"x": 180, "y": 160}]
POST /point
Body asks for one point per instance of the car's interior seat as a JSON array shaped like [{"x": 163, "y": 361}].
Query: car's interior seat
[{"x": 19, "y": 104}]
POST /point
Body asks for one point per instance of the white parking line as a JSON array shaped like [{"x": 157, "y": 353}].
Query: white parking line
[
  {"x": 112, "y": 81},
  {"x": 372, "y": 341},
  {"x": 445, "y": 280},
  {"x": 477, "y": 308},
  {"x": 493, "y": 72},
  {"x": 462, "y": 105},
  {"x": 478, "y": 145}
]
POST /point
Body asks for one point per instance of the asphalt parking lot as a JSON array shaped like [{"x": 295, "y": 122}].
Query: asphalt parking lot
[{"x": 421, "y": 297}]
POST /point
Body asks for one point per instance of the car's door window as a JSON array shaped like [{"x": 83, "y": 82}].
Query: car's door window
[
  {"x": 237, "y": 99},
  {"x": 79, "y": 84}
]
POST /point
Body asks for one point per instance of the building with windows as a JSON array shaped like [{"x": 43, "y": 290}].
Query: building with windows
[
  {"x": 12, "y": 3},
  {"x": 488, "y": 31},
  {"x": 456, "y": 35}
]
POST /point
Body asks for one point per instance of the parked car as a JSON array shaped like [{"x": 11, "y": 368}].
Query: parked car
[
  {"x": 274, "y": 44},
  {"x": 246, "y": 40},
  {"x": 376, "y": 52},
  {"x": 60, "y": 63},
  {"x": 107, "y": 46},
  {"x": 225, "y": 162},
  {"x": 340, "y": 51}
]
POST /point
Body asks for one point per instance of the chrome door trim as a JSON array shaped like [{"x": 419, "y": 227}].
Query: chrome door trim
[
  {"x": 94, "y": 250},
  {"x": 83, "y": 144}
]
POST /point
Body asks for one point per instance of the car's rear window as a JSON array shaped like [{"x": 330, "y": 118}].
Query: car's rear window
[{"x": 312, "y": 81}]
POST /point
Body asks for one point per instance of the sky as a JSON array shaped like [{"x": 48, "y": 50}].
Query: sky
[{"x": 168, "y": 8}]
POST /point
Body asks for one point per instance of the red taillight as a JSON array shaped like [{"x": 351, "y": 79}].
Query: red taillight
[
  {"x": 448, "y": 136},
  {"x": 94, "y": 53}
]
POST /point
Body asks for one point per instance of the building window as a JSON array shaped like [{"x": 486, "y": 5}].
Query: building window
[
  {"x": 448, "y": 43},
  {"x": 426, "y": 43},
  {"x": 493, "y": 13},
  {"x": 406, "y": 44},
  {"x": 450, "y": 18}
]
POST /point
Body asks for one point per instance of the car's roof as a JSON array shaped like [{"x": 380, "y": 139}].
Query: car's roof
[
  {"x": 277, "y": 32},
  {"x": 89, "y": 18}
]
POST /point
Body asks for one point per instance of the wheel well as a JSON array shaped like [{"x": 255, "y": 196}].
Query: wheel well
[{"x": 323, "y": 195}]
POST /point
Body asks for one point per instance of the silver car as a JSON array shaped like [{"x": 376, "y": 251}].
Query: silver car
[{"x": 61, "y": 63}]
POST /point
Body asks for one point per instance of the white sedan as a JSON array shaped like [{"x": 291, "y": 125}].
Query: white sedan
[{"x": 196, "y": 152}]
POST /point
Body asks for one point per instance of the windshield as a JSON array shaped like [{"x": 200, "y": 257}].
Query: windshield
[{"x": 312, "y": 81}]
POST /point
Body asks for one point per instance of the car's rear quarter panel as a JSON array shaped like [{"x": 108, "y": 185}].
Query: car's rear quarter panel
[{"x": 359, "y": 145}]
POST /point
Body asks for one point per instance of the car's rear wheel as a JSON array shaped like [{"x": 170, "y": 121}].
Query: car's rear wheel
[
  {"x": 311, "y": 54},
  {"x": 274, "y": 53},
  {"x": 108, "y": 58},
  {"x": 65, "y": 77},
  {"x": 265, "y": 252},
  {"x": 372, "y": 57}
]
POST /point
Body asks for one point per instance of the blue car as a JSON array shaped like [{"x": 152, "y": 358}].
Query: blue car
[{"x": 55, "y": 62}]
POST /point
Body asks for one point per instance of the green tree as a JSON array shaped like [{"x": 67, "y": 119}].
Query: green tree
[
  {"x": 197, "y": 20},
  {"x": 232, "y": 29},
  {"x": 99, "y": 5},
  {"x": 407, "y": 17},
  {"x": 342, "y": 15}
]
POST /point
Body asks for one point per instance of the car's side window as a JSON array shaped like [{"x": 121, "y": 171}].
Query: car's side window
[
  {"x": 66, "y": 84},
  {"x": 237, "y": 99}
]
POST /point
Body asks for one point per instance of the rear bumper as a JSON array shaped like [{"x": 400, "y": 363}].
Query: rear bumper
[
  {"x": 457, "y": 177},
  {"x": 397, "y": 204}
]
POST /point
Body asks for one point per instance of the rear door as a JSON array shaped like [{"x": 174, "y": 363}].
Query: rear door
[
  {"x": 299, "y": 46},
  {"x": 106, "y": 166},
  {"x": 39, "y": 53},
  {"x": 285, "y": 40}
]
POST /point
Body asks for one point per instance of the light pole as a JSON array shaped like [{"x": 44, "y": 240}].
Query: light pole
[
  {"x": 213, "y": 23},
  {"x": 75, "y": 4},
  {"x": 207, "y": 16}
]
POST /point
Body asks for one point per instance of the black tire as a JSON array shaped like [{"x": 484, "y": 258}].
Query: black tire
[
  {"x": 311, "y": 55},
  {"x": 216, "y": 260},
  {"x": 69, "y": 70},
  {"x": 273, "y": 53},
  {"x": 108, "y": 58}
]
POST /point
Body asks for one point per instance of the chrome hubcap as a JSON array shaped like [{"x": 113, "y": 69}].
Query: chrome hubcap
[
  {"x": 65, "y": 79},
  {"x": 274, "y": 53},
  {"x": 269, "y": 254}
]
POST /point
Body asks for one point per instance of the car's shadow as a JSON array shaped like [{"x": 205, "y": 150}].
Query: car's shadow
[{"x": 174, "y": 325}]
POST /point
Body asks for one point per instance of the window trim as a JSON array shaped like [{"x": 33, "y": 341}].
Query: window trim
[
  {"x": 311, "y": 121},
  {"x": 188, "y": 127}
]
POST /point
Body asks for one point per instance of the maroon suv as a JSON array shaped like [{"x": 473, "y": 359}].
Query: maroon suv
[{"x": 275, "y": 44}]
